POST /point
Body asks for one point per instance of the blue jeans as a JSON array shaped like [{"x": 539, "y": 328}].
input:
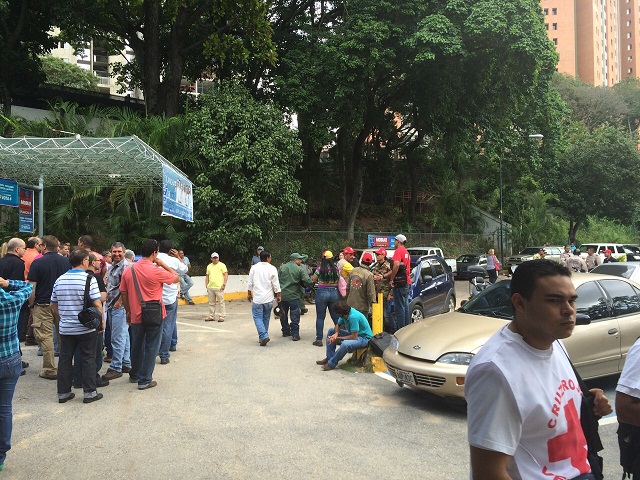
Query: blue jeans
[
  {"x": 261, "y": 314},
  {"x": 174, "y": 336},
  {"x": 168, "y": 324},
  {"x": 10, "y": 369},
  {"x": 325, "y": 298},
  {"x": 119, "y": 339},
  {"x": 388, "y": 317},
  {"x": 145, "y": 344},
  {"x": 333, "y": 355},
  {"x": 401, "y": 304},
  {"x": 292, "y": 307},
  {"x": 185, "y": 284}
]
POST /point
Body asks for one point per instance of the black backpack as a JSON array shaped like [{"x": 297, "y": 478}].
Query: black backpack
[{"x": 629, "y": 443}]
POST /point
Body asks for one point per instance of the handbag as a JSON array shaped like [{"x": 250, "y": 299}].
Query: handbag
[
  {"x": 151, "y": 309},
  {"x": 90, "y": 317},
  {"x": 496, "y": 263}
]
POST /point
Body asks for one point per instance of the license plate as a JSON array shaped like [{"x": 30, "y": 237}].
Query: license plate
[{"x": 405, "y": 377}]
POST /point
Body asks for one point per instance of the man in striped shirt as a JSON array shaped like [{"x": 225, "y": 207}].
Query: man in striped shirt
[{"x": 67, "y": 300}]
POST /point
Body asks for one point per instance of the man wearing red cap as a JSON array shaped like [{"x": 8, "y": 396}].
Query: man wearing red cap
[
  {"x": 381, "y": 268},
  {"x": 607, "y": 256},
  {"x": 350, "y": 257},
  {"x": 361, "y": 291}
]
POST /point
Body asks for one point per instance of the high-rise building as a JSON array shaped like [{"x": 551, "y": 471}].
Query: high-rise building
[{"x": 595, "y": 39}]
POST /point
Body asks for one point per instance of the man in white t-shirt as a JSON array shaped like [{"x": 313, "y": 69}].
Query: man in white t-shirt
[
  {"x": 628, "y": 401},
  {"x": 522, "y": 393},
  {"x": 263, "y": 287}
]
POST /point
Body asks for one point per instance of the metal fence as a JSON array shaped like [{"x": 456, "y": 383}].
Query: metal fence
[{"x": 313, "y": 243}]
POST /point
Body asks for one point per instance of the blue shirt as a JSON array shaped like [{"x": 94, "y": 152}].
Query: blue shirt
[
  {"x": 11, "y": 300},
  {"x": 356, "y": 322}
]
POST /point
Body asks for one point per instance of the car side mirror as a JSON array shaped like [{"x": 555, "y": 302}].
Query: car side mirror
[
  {"x": 583, "y": 319},
  {"x": 426, "y": 278}
]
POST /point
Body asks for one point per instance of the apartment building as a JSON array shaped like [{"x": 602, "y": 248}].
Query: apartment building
[{"x": 587, "y": 35}]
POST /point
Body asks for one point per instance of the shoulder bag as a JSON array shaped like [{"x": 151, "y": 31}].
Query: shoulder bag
[
  {"x": 151, "y": 309},
  {"x": 90, "y": 317}
]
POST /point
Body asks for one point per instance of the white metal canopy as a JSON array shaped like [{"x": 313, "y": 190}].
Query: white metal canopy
[{"x": 82, "y": 161}]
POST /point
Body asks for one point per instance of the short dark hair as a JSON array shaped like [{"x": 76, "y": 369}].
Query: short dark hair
[
  {"x": 264, "y": 255},
  {"x": 165, "y": 246},
  {"x": 525, "y": 276},
  {"x": 78, "y": 256},
  {"x": 341, "y": 307},
  {"x": 86, "y": 240},
  {"x": 51, "y": 243},
  {"x": 148, "y": 247},
  {"x": 118, "y": 245}
]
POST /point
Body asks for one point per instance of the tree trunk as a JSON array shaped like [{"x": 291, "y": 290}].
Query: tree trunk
[
  {"x": 150, "y": 58},
  {"x": 310, "y": 163},
  {"x": 355, "y": 199},
  {"x": 573, "y": 230}
]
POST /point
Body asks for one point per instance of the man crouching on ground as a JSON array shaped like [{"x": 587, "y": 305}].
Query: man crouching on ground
[{"x": 353, "y": 331}]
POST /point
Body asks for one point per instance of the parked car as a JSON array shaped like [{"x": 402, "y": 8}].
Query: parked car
[
  {"x": 630, "y": 270},
  {"x": 632, "y": 253},
  {"x": 617, "y": 250},
  {"x": 433, "y": 288},
  {"x": 463, "y": 262},
  {"x": 553, "y": 253},
  {"x": 417, "y": 252},
  {"x": 434, "y": 354}
]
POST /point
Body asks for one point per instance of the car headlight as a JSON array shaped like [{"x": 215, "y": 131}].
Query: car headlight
[
  {"x": 456, "y": 358},
  {"x": 394, "y": 344}
]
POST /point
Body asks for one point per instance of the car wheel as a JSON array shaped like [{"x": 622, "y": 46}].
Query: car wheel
[
  {"x": 416, "y": 313},
  {"x": 451, "y": 304}
]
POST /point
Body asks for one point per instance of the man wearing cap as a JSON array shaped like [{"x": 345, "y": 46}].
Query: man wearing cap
[
  {"x": 263, "y": 288},
  {"x": 350, "y": 257},
  {"x": 540, "y": 255},
  {"x": 293, "y": 279},
  {"x": 216, "y": 281},
  {"x": 401, "y": 281},
  {"x": 256, "y": 258},
  {"x": 361, "y": 291},
  {"x": 383, "y": 285},
  {"x": 607, "y": 256}
]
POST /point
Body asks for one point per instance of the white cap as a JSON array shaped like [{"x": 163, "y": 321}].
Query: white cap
[
  {"x": 215, "y": 254},
  {"x": 401, "y": 238}
]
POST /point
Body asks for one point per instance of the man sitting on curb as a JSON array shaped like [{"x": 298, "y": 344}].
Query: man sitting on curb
[{"x": 354, "y": 334}]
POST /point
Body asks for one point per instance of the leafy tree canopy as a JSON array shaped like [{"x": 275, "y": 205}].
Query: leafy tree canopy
[
  {"x": 59, "y": 72},
  {"x": 246, "y": 186}
]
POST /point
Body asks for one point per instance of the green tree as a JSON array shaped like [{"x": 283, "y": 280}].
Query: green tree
[
  {"x": 59, "y": 72},
  {"x": 247, "y": 185},
  {"x": 24, "y": 27},
  {"x": 172, "y": 40},
  {"x": 598, "y": 174}
]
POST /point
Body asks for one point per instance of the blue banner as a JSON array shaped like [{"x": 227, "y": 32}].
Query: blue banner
[
  {"x": 177, "y": 195},
  {"x": 386, "y": 241},
  {"x": 8, "y": 192},
  {"x": 25, "y": 211}
]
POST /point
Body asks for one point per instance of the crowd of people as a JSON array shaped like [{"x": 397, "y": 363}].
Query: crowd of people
[{"x": 73, "y": 302}]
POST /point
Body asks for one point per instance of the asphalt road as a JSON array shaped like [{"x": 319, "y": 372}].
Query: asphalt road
[{"x": 226, "y": 408}]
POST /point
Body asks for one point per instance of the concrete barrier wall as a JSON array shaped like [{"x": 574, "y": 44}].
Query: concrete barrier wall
[{"x": 236, "y": 288}]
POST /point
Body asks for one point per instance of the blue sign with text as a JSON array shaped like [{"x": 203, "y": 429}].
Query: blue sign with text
[{"x": 8, "y": 192}]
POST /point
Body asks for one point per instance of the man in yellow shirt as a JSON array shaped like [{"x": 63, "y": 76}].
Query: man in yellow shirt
[{"x": 216, "y": 280}]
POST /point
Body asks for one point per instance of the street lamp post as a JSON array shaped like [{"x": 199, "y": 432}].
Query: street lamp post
[{"x": 535, "y": 136}]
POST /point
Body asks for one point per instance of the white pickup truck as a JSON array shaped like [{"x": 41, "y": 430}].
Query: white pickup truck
[{"x": 417, "y": 252}]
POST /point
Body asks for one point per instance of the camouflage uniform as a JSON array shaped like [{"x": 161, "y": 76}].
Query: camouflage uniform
[{"x": 384, "y": 286}]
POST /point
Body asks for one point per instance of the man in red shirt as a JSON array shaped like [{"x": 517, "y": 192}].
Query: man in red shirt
[
  {"x": 401, "y": 263},
  {"x": 151, "y": 273}
]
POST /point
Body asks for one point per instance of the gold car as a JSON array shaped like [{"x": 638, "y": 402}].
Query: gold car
[{"x": 434, "y": 354}]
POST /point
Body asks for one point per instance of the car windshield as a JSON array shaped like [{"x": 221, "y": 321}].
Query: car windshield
[
  {"x": 495, "y": 301},
  {"x": 468, "y": 259},
  {"x": 618, "y": 270},
  {"x": 530, "y": 251}
]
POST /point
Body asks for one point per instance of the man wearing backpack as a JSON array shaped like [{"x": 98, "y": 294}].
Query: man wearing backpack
[{"x": 628, "y": 412}]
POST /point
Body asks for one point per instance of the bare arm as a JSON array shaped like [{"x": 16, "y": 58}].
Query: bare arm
[
  {"x": 224, "y": 282},
  {"x": 628, "y": 409},
  {"x": 54, "y": 309},
  {"x": 161, "y": 264},
  {"x": 488, "y": 465}
]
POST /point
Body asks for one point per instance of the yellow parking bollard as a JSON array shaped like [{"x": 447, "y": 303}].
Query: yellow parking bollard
[{"x": 376, "y": 315}]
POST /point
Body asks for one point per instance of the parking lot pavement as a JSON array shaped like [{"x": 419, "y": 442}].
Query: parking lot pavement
[{"x": 227, "y": 408}]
